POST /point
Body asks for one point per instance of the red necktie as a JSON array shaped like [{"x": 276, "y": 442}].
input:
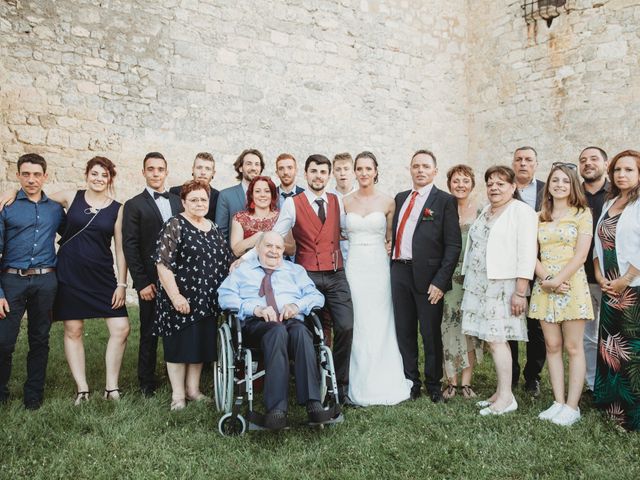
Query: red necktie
[
  {"x": 403, "y": 222},
  {"x": 266, "y": 290}
]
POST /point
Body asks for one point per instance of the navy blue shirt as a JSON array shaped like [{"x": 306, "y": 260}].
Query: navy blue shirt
[{"x": 28, "y": 233}]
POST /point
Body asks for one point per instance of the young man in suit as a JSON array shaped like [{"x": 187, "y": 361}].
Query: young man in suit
[
  {"x": 287, "y": 169},
  {"x": 203, "y": 170},
  {"x": 248, "y": 165},
  {"x": 142, "y": 219},
  {"x": 525, "y": 162},
  {"x": 425, "y": 247}
]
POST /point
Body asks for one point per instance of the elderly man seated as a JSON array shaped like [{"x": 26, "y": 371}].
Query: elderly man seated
[{"x": 272, "y": 296}]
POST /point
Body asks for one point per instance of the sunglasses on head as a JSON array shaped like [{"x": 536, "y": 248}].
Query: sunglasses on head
[{"x": 572, "y": 166}]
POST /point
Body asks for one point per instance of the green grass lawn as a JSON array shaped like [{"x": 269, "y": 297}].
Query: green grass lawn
[{"x": 140, "y": 438}]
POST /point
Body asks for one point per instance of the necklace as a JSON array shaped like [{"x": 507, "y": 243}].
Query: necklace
[{"x": 94, "y": 210}]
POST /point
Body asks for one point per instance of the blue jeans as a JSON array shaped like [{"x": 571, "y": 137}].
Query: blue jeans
[{"x": 35, "y": 295}]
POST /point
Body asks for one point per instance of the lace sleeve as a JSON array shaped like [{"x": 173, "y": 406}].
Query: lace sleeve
[{"x": 167, "y": 246}]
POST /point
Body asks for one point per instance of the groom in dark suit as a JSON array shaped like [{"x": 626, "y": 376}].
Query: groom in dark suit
[
  {"x": 142, "y": 220},
  {"x": 425, "y": 248}
]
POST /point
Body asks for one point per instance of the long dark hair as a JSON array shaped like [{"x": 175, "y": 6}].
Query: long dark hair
[{"x": 251, "y": 206}]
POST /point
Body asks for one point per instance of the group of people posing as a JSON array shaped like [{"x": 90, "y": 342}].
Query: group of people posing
[{"x": 555, "y": 263}]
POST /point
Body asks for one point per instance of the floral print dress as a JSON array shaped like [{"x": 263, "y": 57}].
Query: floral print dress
[
  {"x": 486, "y": 304},
  {"x": 617, "y": 384},
  {"x": 558, "y": 242}
]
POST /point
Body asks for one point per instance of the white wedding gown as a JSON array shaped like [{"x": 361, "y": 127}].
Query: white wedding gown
[{"x": 376, "y": 374}]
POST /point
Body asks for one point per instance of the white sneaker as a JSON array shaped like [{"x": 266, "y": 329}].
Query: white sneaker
[
  {"x": 551, "y": 412},
  {"x": 566, "y": 416}
]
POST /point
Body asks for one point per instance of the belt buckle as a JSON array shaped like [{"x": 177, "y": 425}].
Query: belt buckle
[{"x": 20, "y": 272}]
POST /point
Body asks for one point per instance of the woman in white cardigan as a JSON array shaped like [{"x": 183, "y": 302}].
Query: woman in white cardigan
[
  {"x": 499, "y": 262},
  {"x": 617, "y": 270}
]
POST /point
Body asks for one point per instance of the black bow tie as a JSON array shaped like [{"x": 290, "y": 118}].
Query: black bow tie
[
  {"x": 287, "y": 195},
  {"x": 157, "y": 195}
]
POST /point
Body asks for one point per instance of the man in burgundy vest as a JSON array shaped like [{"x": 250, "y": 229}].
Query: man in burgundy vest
[{"x": 314, "y": 218}]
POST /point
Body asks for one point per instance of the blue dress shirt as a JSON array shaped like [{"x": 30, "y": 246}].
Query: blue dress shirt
[
  {"x": 28, "y": 233},
  {"x": 290, "y": 283}
]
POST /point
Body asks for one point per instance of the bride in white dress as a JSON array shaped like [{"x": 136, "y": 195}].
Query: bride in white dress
[{"x": 376, "y": 373}]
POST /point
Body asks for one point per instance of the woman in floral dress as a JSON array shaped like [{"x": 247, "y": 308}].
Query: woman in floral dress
[
  {"x": 617, "y": 269},
  {"x": 460, "y": 352},
  {"x": 560, "y": 298}
]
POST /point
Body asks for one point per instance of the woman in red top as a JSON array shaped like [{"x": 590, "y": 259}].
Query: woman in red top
[{"x": 260, "y": 215}]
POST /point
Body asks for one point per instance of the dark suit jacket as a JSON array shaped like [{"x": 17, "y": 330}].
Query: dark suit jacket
[
  {"x": 436, "y": 243},
  {"x": 539, "y": 188},
  {"x": 141, "y": 225},
  {"x": 230, "y": 201},
  {"x": 213, "y": 199}
]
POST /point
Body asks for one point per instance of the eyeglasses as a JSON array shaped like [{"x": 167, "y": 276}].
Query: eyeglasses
[
  {"x": 198, "y": 200},
  {"x": 572, "y": 166}
]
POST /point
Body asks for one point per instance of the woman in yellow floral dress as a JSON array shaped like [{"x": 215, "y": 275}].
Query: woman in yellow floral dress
[{"x": 560, "y": 296}]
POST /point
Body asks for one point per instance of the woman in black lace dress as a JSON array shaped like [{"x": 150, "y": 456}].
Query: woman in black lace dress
[{"x": 192, "y": 260}]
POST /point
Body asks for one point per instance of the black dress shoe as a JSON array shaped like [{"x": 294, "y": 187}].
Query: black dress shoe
[
  {"x": 346, "y": 401},
  {"x": 275, "y": 419},
  {"x": 532, "y": 387},
  {"x": 148, "y": 391},
  {"x": 436, "y": 396},
  {"x": 415, "y": 392},
  {"x": 32, "y": 404}
]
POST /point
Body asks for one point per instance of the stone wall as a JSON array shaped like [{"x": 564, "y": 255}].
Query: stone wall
[
  {"x": 122, "y": 77},
  {"x": 559, "y": 89}
]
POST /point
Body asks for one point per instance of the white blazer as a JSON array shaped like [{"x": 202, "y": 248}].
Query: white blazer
[
  {"x": 627, "y": 239},
  {"x": 512, "y": 246}
]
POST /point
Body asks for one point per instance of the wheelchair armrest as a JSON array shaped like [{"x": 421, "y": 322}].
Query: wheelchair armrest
[{"x": 314, "y": 319}]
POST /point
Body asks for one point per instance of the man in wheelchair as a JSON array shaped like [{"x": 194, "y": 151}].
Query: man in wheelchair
[{"x": 272, "y": 296}]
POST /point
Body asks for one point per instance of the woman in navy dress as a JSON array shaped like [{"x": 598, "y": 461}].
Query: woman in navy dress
[{"x": 87, "y": 283}]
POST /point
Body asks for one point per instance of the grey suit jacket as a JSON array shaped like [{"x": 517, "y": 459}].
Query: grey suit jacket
[{"x": 230, "y": 201}]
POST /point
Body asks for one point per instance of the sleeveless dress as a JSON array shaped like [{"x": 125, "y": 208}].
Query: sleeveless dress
[
  {"x": 252, "y": 225},
  {"x": 456, "y": 346},
  {"x": 376, "y": 370},
  {"x": 86, "y": 278},
  {"x": 617, "y": 384},
  {"x": 558, "y": 242}
]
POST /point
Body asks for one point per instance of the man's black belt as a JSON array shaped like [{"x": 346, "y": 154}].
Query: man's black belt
[{"x": 404, "y": 260}]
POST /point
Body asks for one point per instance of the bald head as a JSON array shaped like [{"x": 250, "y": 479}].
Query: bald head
[{"x": 270, "y": 248}]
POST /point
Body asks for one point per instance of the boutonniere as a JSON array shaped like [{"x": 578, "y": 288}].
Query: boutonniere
[{"x": 427, "y": 215}]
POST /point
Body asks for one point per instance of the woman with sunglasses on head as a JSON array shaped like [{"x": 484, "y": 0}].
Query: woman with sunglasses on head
[
  {"x": 560, "y": 298},
  {"x": 617, "y": 270}
]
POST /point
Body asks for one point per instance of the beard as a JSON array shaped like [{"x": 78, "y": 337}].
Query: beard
[{"x": 593, "y": 179}]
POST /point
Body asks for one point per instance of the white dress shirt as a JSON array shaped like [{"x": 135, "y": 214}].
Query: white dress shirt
[
  {"x": 412, "y": 222},
  {"x": 164, "y": 205}
]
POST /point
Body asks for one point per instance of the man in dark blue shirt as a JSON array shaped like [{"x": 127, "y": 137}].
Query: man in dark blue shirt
[{"x": 28, "y": 281}]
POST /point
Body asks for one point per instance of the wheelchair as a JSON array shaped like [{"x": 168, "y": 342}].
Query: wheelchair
[{"x": 237, "y": 369}]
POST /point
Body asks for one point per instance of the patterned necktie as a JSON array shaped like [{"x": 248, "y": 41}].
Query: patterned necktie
[
  {"x": 266, "y": 290},
  {"x": 321, "y": 213},
  {"x": 403, "y": 222}
]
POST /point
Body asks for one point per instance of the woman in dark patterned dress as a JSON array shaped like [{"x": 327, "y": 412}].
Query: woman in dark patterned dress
[
  {"x": 617, "y": 269},
  {"x": 260, "y": 216},
  {"x": 192, "y": 260}
]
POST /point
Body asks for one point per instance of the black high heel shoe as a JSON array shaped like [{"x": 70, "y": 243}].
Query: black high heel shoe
[
  {"x": 81, "y": 397},
  {"x": 108, "y": 394}
]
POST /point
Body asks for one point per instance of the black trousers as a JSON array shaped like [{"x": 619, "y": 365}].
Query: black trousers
[
  {"x": 148, "y": 350},
  {"x": 34, "y": 294},
  {"x": 337, "y": 295},
  {"x": 413, "y": 309},
  {"x": 280, "y": 341},
  {"x": 536, "y": 354}
]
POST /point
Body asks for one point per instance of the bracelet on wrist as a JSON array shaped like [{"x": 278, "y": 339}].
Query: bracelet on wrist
[
  {"x": 121, "y": 285},
  {"x": 521, "y": 295},
  {"x": 548, "y": 277}
]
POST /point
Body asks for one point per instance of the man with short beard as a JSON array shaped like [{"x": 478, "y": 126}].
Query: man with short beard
[
  {"x": 248, "y": 165},
  {"x": 593, "y": 163},
  {"x": 286, "y": 169},
  {"x": 203, "y": 170}
]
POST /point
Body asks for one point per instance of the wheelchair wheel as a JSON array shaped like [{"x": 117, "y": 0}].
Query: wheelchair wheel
[
  {"x": 230, "y": 425},
  {"x": 224, "y": 370}
]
